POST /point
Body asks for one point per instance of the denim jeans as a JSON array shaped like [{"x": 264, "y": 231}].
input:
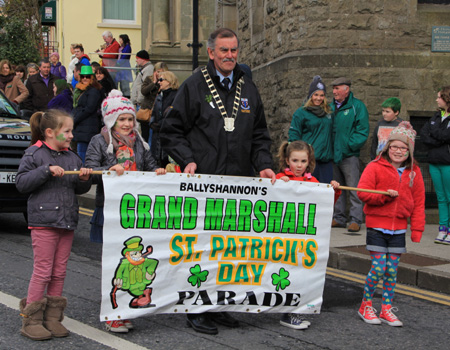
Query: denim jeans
[
  {"x": 81, "y": 150},
  {"x": 347, "y": 174}
]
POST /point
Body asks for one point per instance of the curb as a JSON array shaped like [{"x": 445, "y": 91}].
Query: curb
[
  {"x": 86, "y": 201},
  {"x": 419, "y": 276}
]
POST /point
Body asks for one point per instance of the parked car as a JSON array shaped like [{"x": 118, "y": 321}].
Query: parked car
[{"x": 15, "y": 138}]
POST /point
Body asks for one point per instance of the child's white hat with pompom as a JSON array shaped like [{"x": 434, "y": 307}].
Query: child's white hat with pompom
[{"x": 112, "y": 107}]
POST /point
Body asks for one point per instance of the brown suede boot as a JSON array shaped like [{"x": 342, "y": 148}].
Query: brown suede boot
[
  {"x": 54, "y": 314},
  {"x": 32, "y": 319}
]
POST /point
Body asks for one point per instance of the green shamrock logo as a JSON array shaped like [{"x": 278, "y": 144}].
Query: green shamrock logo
[
  {"x": 198, "y": 276},
  {"x": 208, "y": 98},
  {"x": 281, "y": 280}
]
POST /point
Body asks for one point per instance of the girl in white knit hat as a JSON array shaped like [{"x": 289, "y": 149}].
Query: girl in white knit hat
[{"x": 118, "y": 147}]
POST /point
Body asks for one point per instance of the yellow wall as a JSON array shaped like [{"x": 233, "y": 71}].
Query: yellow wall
[{"x": 81, "y": 21}]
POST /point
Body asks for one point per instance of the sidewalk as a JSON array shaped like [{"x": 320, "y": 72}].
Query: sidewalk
[{"x": 426, "y": 265}]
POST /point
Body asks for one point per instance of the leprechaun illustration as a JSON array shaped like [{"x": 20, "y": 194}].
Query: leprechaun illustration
[{"x": 134, "y": 273}]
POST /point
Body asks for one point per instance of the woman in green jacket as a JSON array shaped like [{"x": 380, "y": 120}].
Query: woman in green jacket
[{"x": 313, "y": 124}]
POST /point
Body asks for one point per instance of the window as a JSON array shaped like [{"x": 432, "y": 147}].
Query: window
[{"x": 119, "y": 11}]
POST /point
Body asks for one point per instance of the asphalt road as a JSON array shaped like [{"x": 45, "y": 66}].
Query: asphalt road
[{"x": 337, "y": 327}]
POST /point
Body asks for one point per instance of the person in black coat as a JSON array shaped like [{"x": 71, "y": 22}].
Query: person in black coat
[
  {"x": 104, "y": 78},
  {"x": 86, "y": 113},
  {"x": 168, "y": 87},
  {"x": 231, "y": 141},
  {"x": 435, "y": 134}
]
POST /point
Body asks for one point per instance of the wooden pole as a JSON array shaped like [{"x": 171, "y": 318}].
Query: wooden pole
[
  {"x": 77, "y": 172},
  {"x": 345, "y": 188}
]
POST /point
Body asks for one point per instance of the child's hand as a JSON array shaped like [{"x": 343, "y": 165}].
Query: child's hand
[
  {"x": 284, "y": 178},
  {"x": 85, "y": 173},
  {"x": 160, "y": 171},
  {"x": 56, "y": 170},
  {"x": 392, "y": 193},
  {"x": 334, "y": 184},
  {"x": 118, "y": 169}
]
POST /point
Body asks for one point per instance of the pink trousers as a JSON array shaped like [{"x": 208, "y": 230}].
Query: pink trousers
[{"x": 51, "y": 250}]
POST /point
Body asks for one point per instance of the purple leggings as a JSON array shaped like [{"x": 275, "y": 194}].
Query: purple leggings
[{"x": 51, "y": 250}]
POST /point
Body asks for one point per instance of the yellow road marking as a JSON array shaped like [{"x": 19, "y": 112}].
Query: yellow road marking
[{"x": 87, "y": 212}]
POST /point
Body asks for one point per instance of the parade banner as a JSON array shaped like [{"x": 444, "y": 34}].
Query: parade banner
[{"x": 178, "y": 243}]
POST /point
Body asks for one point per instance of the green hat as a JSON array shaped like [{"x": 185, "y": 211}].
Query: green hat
[
  {"x": 86, "y": 70},
  {"x": 133, "y": 244}
]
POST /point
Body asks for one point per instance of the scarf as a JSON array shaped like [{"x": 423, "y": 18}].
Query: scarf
[
  {"x": 5, "y": 79},
  {"x": 123, "y": 147},
  {"x": 80, "y": 90},
  {"x": 317, "y": 111}
]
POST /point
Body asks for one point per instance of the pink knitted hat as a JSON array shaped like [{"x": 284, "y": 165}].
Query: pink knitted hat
[
  {"x": 112, "y": 107},
  {"x": 405, "y": 133}
]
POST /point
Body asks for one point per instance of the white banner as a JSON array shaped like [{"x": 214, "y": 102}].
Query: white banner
[{"x": 177, "y": 243}]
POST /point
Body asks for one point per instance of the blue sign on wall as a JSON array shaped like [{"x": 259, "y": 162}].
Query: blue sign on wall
[{"x": 440, "y": 40}]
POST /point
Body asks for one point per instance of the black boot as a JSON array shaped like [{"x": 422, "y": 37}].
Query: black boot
[
  {"x": 224, "y": 318},
  {"x": 201, "y": 323}
]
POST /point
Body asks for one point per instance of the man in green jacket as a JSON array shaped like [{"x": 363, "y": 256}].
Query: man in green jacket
[{"x": 350, "y": 132}]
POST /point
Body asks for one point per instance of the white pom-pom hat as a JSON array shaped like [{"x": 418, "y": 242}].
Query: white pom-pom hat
[{"x": 112, "y": 107}]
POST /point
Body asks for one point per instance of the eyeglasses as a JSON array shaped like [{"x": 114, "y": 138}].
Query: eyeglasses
[
  {"x": 161, "y": 79},
  {"x": 396, "y": 148}
]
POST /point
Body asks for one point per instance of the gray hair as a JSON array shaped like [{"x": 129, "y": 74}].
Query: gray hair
[
  {"x": 220, "y": 33},
  {"x": 107, "y": 33}
]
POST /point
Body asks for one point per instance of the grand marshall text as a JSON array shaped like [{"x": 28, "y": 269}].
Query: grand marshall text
[{"x": 218, "y": 214}]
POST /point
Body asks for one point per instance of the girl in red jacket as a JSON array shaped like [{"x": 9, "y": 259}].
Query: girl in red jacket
[
  {"x": 297, "y": 163},
  {"x": 393, "y": 171}
]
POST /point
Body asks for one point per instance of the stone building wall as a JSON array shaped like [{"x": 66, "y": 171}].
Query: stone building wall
[
  {"x": 383, "y": 46},
  {"x": 167, "y": 29}
]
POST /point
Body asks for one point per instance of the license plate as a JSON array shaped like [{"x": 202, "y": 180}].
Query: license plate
[{"x": 7, "y": 178}]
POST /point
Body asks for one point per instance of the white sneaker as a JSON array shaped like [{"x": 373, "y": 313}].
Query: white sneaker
[
  {"x": 446, "y": 240},
  {"x": 294, "y": 321},
  {"x": 442, "y": 235}
]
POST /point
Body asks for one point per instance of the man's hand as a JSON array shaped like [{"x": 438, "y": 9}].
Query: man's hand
[
  {"x": 268, "y": 174},
  {"x": 190, "y": 168}
]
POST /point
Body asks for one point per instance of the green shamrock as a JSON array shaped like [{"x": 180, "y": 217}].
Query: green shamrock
[
  {"x": 198, "y": 276},
  {"x": 208, "y": 98},
  {"x": 281, "y": 280}
]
